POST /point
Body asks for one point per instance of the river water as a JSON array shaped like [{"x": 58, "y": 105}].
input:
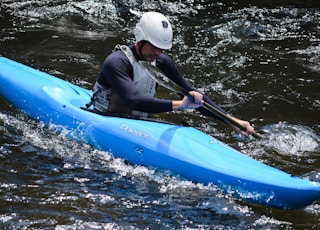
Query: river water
[{"x": 258, "y": 59}]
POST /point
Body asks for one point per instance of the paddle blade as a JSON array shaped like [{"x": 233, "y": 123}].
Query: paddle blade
[{"x": 156, "y": 74}]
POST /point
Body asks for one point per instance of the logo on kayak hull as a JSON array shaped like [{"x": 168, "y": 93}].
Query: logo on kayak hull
[{"x": 134, "y": 132}]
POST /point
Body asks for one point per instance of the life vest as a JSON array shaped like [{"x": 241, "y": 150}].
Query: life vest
[{"x": 107, "y": 100}]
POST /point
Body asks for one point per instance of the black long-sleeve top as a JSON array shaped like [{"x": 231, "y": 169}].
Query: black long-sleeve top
[{"x": 117, "y": 73}]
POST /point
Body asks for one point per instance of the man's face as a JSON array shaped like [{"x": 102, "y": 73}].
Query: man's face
[{"x": 150, "y": 52}]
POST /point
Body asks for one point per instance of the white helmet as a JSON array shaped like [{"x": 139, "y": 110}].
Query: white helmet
[{"x": 155, "y": 28}]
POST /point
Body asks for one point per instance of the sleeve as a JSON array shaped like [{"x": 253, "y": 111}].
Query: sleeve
[
  {"x": 166, "y": 64},
  {"x": 117, "y": 73}
]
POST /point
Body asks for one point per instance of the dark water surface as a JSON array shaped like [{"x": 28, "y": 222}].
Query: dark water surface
[{"x": 258, "y": 60}]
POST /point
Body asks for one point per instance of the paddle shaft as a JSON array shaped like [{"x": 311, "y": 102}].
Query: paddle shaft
[
  {"x": 229, "y": 119},
  {"x": 155, "y": 72}
]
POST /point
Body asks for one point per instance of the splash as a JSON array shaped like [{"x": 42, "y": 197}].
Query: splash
[
  {"x": 289, "y": 139},
  {"x": 36, "y": 11}
]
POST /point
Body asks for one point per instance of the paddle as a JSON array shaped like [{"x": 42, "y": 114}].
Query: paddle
[{"x": 164, "y": 81}]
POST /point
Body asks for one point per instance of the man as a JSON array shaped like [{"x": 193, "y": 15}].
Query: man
[{"x": 123, "y": 86}]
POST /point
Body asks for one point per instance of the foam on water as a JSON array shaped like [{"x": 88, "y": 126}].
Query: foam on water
[{"x": 289, "y": 139}]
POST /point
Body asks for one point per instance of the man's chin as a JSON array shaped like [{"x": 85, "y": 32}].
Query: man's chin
[{"x": 150, "y": 59}]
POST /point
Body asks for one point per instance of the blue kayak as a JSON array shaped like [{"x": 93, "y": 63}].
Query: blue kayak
[{"x": 184, "y": 150}]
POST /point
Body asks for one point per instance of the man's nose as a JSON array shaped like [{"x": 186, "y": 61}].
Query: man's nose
[{"x": 158, "y": 51}]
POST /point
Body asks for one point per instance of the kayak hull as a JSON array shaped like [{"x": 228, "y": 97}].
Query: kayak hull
[{"x": 185, "y": 150}]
